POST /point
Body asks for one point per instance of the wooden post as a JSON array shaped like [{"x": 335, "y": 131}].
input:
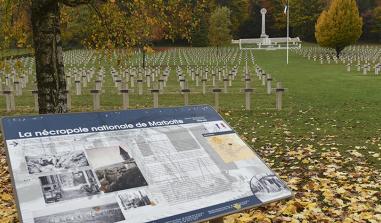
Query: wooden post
[
  {"x": 126, "y": 99},
  {"x": 96, "y": 99},
  {"x": 216, "y": 92},
  {"x": 269, "y": 89},
  {"x": 35, "y": 96},
  {"x": 214, "y": 80},
  {"x": 349, "y": 67},
  {"x": 155, "y": 93},
  {"x": 279, "y": 93},
  {"x": 78, "y": 87},
  {"x": 197, "y": 77},
  {"x": 248, "y": 92},
  {"x": 204, "y": 86}
]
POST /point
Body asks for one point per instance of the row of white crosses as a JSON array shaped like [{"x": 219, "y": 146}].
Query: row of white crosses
[
  {"x": 196, "y": 74},
  {"x": 85, "y": 69},
  {"x": 363, "y": 59}
]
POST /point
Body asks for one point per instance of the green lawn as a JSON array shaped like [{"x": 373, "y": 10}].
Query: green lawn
[{"x": 325, "y": 100}]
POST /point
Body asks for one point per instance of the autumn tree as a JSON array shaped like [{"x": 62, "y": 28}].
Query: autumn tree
[
  {"x": 219, "y": 27},
  {"x": 239, "y": 12},
  {"x": 15, "y": 28},
  {"x": 138, "y": 23},
  {"x": 303, "y": 17},
  {"x": 200, "y": 35},
  {"x": 122, "y": 23},
  {"x": 339, "y": 26}
]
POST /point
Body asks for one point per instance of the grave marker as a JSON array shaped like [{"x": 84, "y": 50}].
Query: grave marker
[
  {"x": 126, "y": 99},
  {"x": 186, "y": 93},
  {"x": 96, "y": 99},
  {"x": 35, "y": 97},
  {"x": 279, "y": 94},
  {"x": 78, "y": 87},
  {"x": 248, "y": 92},
  {"x": 216, "y": 92},
  {"x": 155, "y": 93}
]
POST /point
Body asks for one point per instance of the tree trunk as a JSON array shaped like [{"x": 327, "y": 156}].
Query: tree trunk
[{"x": 50, "y": 74}]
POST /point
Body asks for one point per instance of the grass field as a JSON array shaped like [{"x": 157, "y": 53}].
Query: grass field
[{"x": 330, "y": 124}]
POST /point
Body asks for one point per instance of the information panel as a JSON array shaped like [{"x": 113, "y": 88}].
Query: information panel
[{"x": 175, "y": 165}]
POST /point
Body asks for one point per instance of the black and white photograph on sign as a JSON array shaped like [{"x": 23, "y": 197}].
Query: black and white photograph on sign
[
  {"x": 123, "y": 174},
  {"x": 100, "y": 214},
  {"x": 55, "y": 162},
  {"x": 120, "y": 176},
  {"x": 267, "y": 186},
  {"x": 56, "y": 188},
  {"x": 107, "y": 156},
  {"x": 134, "y": 199}
]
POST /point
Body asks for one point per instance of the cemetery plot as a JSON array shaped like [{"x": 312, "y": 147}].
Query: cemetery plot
[
  {"x": 174, "y": 164},
  {"x": 364, "y": 60},
  {"x": 170, "y": 78}
]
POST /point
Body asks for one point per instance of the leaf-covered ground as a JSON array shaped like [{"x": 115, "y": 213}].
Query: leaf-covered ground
[{"x": 331, "y": 184}]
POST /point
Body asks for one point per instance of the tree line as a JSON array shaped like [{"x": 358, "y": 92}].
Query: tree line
[{"x": 125, "y": 23}]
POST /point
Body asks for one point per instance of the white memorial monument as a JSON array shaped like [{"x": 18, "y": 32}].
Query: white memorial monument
[
  {"x": 263, "y": 12},
  {"x": 265, "y": 42}
]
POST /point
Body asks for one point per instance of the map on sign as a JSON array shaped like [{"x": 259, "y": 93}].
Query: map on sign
[{"x": 156, "y": 165}]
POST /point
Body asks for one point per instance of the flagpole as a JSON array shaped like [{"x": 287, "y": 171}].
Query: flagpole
[{"x": 288, "y": 25}]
